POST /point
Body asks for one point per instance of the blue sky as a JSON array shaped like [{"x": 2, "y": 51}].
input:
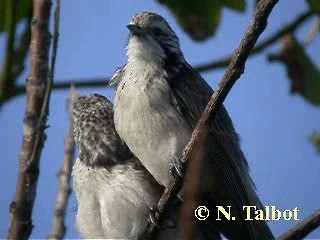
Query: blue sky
[{"x": 274, "y": 126}]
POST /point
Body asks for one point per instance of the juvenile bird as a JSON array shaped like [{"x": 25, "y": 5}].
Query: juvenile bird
[
  {"x": 114, "y": 194},
  {"x": 114, "y": 191},
  {"x": 158, "y": 101}
]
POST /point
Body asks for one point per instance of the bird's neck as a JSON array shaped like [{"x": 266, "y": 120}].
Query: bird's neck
[{"x": 141, "y": 51}]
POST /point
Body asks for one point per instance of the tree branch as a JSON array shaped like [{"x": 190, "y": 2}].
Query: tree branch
[
  {"x": 261, "y": 46},
  {"x": 234, "y": 70},
  {"x": 192, "y": 187},
  {"x": 38, "y": 93},
  {"x": 303, "y": 229},
  {"x": 79, "y": 83},
  {"x": 223, "y": 62},
  {"x": 90, "y": 82},
  {"x": 58, "y": 228},
  {"x": 314, "y": 31}
]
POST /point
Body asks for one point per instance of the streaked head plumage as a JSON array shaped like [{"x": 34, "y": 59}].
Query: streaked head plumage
[
  {"x": 151, "y": 35},
  {"x": 95, "y": 133}
]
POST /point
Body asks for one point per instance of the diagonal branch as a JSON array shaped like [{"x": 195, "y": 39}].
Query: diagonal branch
[
  {"x": 58, "y": 229},
  {"x": 314, "y": 31},
  {"x": 234, "y": 70},
  {"x": 303, "y": 229},
  {"x": 223, "y": 62},
  {"x": 38, "y": 92}
]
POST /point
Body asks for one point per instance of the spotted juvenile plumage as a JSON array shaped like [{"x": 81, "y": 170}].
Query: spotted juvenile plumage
[
  {"x": 95, "y": 133},
  {"x": 158, "y": 102},
  {"x": 114, "y": 191}
]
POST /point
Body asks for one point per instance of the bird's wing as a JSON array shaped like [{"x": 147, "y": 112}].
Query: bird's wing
[
  {"x": 227, "y": 165},
  {"x": 191, "y": 94},
  {"x": 116, "y": 78},
  {"x": 95, "y": 133}
]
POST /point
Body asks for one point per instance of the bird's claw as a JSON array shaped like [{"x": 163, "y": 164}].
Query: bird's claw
[
  {"x": 177, "y": 169},
  {"x": 152, "y": 217},
  {"x": 167, "y": 223}
]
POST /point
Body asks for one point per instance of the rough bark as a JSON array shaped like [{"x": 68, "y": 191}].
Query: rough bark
[
  {"x": 34, "y": 123},
  {"x": 58, "y": 228}
]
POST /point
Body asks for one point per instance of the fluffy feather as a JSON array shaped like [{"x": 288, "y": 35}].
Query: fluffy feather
[{"x": 157, "y": 104}]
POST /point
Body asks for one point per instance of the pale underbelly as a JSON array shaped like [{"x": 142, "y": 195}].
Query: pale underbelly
[{"x": 155, "y": 136}]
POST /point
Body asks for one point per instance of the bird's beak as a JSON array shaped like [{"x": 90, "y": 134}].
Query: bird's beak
[{"x": 135, "y": 29}]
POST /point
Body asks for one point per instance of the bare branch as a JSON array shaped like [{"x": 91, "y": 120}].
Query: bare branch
[
  {"x": 314, "y": 31},
  {"x": 38, "y": 93},
  {"x": 303, "y": 229},
  {"x": 234, "y": 70},
  {"x": 192, "y": 187},
  {"x": 58, "y": 228},
  {"x": 80, "y": 83},
  {"x": 222, "y": 63}
]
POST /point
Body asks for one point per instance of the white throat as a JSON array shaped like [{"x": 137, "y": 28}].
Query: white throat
[{"x": 145, "y": 49}]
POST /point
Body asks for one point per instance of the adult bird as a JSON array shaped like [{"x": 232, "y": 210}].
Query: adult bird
[
  {"x": 114, "y": 191},
  {"x": 158, "y": 101}
]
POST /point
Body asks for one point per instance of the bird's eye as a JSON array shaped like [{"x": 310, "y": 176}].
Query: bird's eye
[{"x": 157, "y": 32}]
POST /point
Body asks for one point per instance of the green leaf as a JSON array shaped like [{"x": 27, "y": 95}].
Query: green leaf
[
  {"x": 315, "y": 5},
  {"x": 302, "y": 72},
  {"x": 311, "y": 77},
  {"x": 24, "y": 10},
  {"x": 200, "y": 19},
  {"x": 238, "y": 5}
]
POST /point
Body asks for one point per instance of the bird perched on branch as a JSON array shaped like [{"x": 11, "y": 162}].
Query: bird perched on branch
[
  {"x": 115, "y": 192},
  {"x": 158, "y": 101}
]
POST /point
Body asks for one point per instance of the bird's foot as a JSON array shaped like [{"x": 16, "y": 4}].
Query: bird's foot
[
  {"x": 153, "y": 217},
  {"x": 177, "y": 169},
  {"x": 165, "y": 223}
]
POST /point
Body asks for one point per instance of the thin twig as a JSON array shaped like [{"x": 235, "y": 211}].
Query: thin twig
[
  {"x": 223, "y": 62},
  {"x": 79, "y": 83},
  {"x": 234, "y": 70},
  {"x": 303, "y": 229},
  {"x": 90, "y": 82},
  {"x": 58, "y": 228},
  {"x": 314, "y": 31},
  {"x": 38, "y": 93}
]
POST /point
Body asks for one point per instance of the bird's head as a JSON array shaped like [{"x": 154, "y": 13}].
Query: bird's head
[{"x": 152, "y": 39}]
